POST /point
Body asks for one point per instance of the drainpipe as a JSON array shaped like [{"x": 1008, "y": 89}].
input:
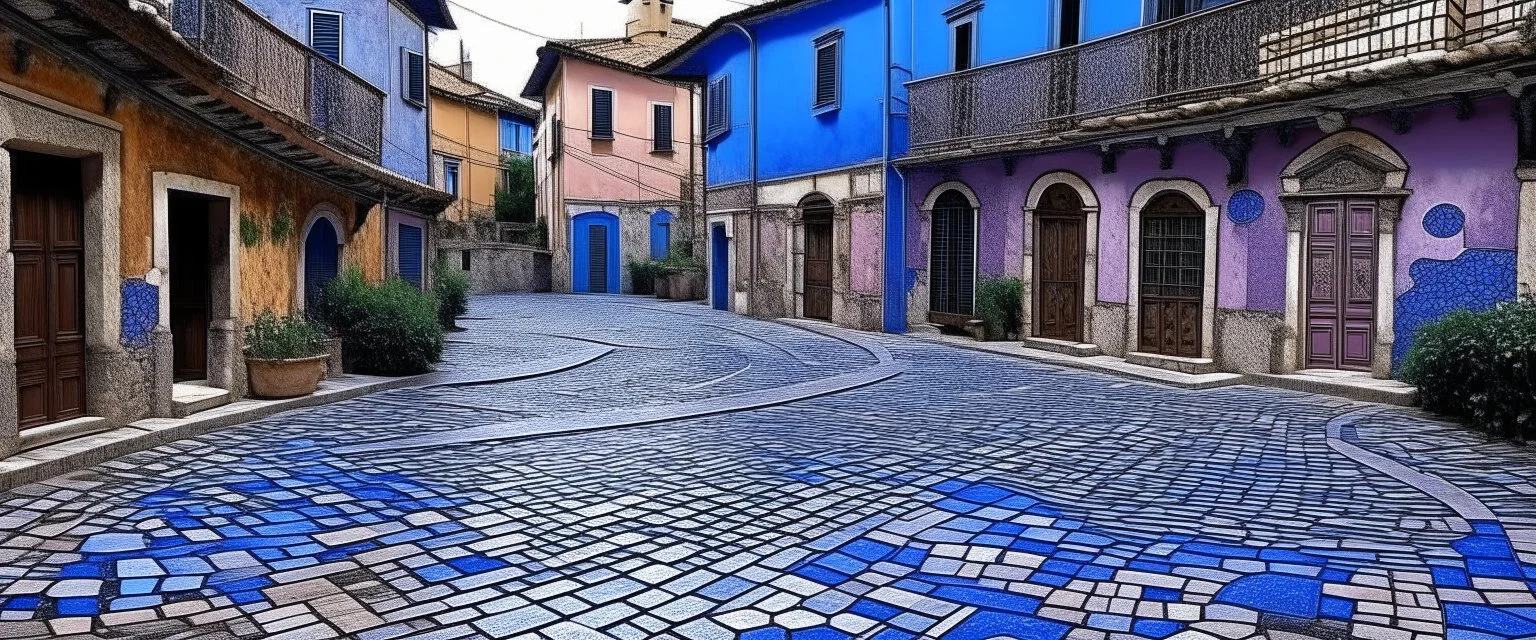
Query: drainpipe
[
  {"x": 885, "y": 173},
  {"x": 752, "y": 163}
]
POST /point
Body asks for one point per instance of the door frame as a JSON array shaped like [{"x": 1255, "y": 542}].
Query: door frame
[
  {"x": 226, "y": 365},
  {"x": 31, "y": 122},
  {"x": 1348, "y": 165},
  {"x": 926, "y": 212},
  {"x": 720, "y": 264},
  {"x": 1139, "y": 201},
  {"x": 801, "y": 248},
  {"x": 578, "y": 247},
  {"x": 1090, "y": 249}
]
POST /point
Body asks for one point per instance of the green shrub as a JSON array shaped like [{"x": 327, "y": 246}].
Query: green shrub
[
  {"x": 643, "y": 274},
  {"x": 515, "y": 196},
  {"x": 451, "y": 286},
  {"x": 250, "y": 230},
  {"x": 387, "y": 329},
  {"x": 272, "y": 338},
  {"x": 1000, "y": 304},
  {"x": 1480, "y": 367},
  {"x": 282, "y": 225}
]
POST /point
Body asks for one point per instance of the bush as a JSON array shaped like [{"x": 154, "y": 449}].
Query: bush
[
  {"x": 451, "y": 286},
  {"x": 389, "y": 329},
  {"x": 643, "y": 274},
  {"x": 1479, "y": 367},
  {"x": 515, "y": 197},
  {"x": 1000, "y": 304},
  {"x": 274, "y": 338}
]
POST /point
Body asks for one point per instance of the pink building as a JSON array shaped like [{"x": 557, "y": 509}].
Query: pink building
[{"x": 616, "y": 161}]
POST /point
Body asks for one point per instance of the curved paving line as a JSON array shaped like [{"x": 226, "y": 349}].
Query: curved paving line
[
  {"x": 1464, "y": 504},
  {"x": 535, "y": 369},
  {"x": 770, "y": 343},
  {"x": 837, "y": 333},
  {"x": 710, "y": 383},
  {"x": 583, "y": 422},
  {"x": 605, "y": 342}
]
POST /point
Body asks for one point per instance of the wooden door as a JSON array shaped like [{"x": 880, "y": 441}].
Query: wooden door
[
  {"x": 597, "y": 259},
  {"x": 1059, "y": 248},
  {"x": 1172, "y": 277},
  {"x": 952, "y": 275},
  {"x": 191, "y": 286},
  {"x": 48, "y": 245},
  {"x": 818, "y": 264},
  {"x": 1341, "y": 285}
]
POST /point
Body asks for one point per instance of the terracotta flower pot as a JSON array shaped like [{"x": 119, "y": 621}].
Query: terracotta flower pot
[{"x": 285, "y": 378}]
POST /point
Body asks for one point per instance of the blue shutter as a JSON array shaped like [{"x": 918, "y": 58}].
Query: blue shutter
[
  {"x": 410, "y": 254},
  {"x": 322, "y": 253},
  {"x": 325, "y": 34},
  {"x": 415, "y": 78}
]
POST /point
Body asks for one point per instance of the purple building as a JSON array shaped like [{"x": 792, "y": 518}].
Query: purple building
[{"x": 1259, "y": 187}]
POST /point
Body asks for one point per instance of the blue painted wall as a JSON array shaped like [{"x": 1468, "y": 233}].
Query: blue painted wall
[
  {"x": 1016, "y": 28},
  {"x": 516, "y": 133},
  {"x": 580, "y": 227},
  {"x": 373, "y": 34}
]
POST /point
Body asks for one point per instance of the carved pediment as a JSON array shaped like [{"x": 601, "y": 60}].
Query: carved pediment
[{"x": 1346, "y": 169}]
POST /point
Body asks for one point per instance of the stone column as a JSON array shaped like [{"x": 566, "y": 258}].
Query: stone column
[
  {"x": 9, "y": 436},
  {"x": 1525, "y": 239}
]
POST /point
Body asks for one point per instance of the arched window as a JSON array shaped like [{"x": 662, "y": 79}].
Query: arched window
[{"x": 952, "y": 281}]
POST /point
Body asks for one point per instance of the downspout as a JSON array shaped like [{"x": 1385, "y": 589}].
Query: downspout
[
  {"x": 885, "y": 173},
  {"x": 752, "y": 164}
]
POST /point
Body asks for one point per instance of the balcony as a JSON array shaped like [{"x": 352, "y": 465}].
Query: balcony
[
  {"x": 1235, "y": 49},
  {"x": 283, "y": 74}
]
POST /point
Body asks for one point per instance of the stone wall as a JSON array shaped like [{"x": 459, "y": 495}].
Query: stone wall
[{"x": 499, "y": 267}]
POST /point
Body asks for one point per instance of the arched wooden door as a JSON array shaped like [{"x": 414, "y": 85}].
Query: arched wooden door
[
  {"x": 1059, "y": 249},
  {"x": 1172, "y": 276},
  {"x": 322, "y": 260},
  {"x": 952, "y": 275},
  {"x": 817, "y": 274}
]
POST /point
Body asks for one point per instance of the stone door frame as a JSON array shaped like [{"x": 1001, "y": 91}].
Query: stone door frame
[
  {"x": 226, "y": 363},
  {"x": 1348, "y": 165},
  {"x": 1139, "y": 201},
  {"x": 1090, "y": 249}
]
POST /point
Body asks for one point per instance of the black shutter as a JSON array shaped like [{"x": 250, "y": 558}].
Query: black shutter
[
  {"x": 826, "y": 74},
  {"x": 415, "y": 77},
  {"x": 718, "y": 110},
  {"x": 325, "y": 34},
  {"x": 662, "y": 130},
  {"x": 602, "y": 114}
]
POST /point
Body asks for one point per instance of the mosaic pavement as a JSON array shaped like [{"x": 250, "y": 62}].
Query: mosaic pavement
[{"x": 970, "y": 496}]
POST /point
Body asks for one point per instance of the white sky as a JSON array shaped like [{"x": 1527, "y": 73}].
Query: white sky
[{"x": 503, "y": 57}]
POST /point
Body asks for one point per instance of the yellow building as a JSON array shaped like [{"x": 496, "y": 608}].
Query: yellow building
[{"x": 467, "y": 141}]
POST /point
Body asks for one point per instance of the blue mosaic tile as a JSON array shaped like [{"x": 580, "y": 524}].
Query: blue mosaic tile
[
  {"x": 1245, "y": 206},
  {"x": 1444, "y": 220},
  {"x": 1476, "y": 280},
  {"x": 141, "y": 312}
]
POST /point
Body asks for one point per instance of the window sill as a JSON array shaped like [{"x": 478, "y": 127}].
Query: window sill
[
  {"x": 663, "y": 152},
  {"x": 601, "y": 138},
  {"x": 826, "y": 109}
]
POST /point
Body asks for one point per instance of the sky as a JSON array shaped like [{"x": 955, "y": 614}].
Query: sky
[{"x": 503, "y": 57}]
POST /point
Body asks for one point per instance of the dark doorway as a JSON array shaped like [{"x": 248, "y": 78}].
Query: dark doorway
[
  {"x": 322, "y": 261},
  {"x": 952, "y": 281},
  {"x": 1170, "y": 9},
  {"x": 818, "y": 260},
  {"x": 597, "y": 259},
  {"x": 1059, "y": 247},
  {"x": 1341, "y": 285},
  {"x": 192, "y": 263},
  {"x": 48, "y": 245},
  {"x": 1172, "y": 276},
  {"x": 720, "y": 268},
  {"x": 1069, "y": 25}
]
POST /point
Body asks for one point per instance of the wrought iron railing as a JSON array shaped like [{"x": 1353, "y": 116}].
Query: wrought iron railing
[
  {"x": 1211, "y": 54},
  {"x": 275, "y": 69}
]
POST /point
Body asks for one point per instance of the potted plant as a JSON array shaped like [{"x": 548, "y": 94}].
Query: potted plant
[{"x": 284, "y": 357}]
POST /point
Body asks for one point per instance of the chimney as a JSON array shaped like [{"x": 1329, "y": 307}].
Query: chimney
[{"x": 648, "y": 16}]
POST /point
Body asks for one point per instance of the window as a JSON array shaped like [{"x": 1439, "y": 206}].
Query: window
[
  {"x": 1170, "y": 9},
  {"x": 963, "y": 41},
  {"x": 415, "y": 78},
  {"x": 602, "y": 113},
  {"x": 1069, "y": 23},
  {"x": 828, "y": 74},
  {"x": 718, "y": 110},
  {"x": 409, "y": 253},
  {"x": 325, "y": 33},
  {"x": 464, "y": 260},
  {"x": 451, "y": 175},
  {"x": 661, "y": 127}
]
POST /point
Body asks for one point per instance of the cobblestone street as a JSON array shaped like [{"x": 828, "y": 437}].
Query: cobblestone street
[{"x": 663, "y": 470}]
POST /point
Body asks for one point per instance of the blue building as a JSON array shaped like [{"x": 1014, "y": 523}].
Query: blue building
[
  {"x": 518, "y": 125},
  {"x": 805, "y": 111}
]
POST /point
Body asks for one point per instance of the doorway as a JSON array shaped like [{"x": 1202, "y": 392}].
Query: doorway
[
  {"x": 817, "y": 274},
  {"x": 1341, "y": 285},
  {"x": 595, "y": 253},
  {"x": 720, "y": 268},
  {"x": 198, "y": 242},
  {"x": 1059, "y": 249},
  {"x": 952, "y": 286},
  {"x": 48, "y": 247},
  {"x": 1172, "y": 276}
]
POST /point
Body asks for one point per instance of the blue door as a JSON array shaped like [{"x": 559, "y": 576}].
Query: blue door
[
  {"x": 322, "y": 260},
  {"x": 410, "y": 254},
  {"x": 720, "y": 268},
  {"x": 595, "y": 253},
  {"x": 661, "y": 234}
]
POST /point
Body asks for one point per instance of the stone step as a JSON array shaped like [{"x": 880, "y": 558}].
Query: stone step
[
  {"x": 188, "y": 398},
  {"x": 1192, "y": 366},
  {"x": 61, "y": 431},
  {"x": 1344, "y": 384},
  {"x": 1064, "y": 347}
]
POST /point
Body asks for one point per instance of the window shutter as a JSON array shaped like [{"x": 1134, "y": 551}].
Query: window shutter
[
  {"x": 718, "y": 110},
  {"x": 602, "y": 114},
  {"x": 325, "y": 34},
  {"x": 826, "y": 75},
  {"x": 415, "y": 77},
  {"x": 410, "y": 254},
  {"x": 662, "y": 129}
]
